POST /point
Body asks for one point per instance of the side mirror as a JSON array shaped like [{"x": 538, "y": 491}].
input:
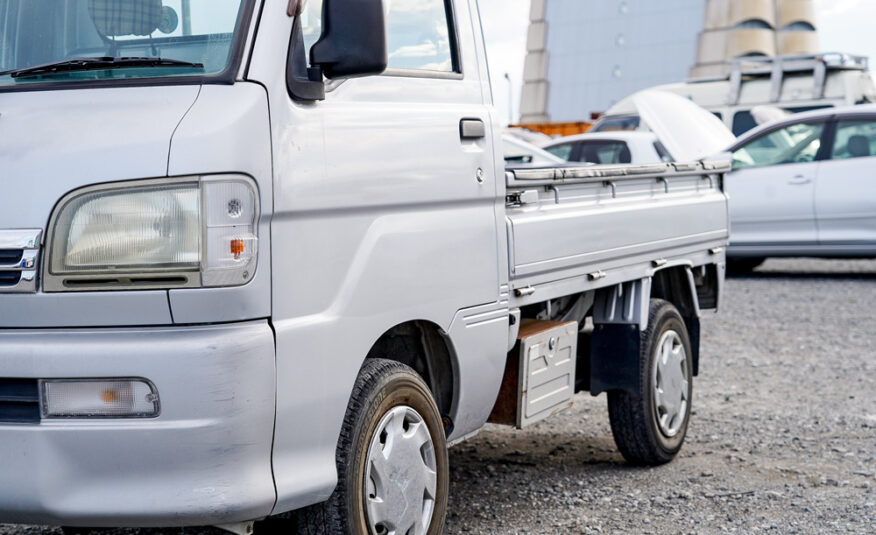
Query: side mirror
[{"x": 353, "y": 41}]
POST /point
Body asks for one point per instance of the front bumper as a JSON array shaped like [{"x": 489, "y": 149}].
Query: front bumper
[{"x": 205, "y": 460}]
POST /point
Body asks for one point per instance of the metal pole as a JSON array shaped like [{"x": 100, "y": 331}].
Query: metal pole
[
  {"x": 187, "y": 17},
  {"x": 510, "y": 99}
]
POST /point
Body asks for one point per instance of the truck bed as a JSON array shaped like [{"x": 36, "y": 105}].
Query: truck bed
[{"x": 582, "y": 228}]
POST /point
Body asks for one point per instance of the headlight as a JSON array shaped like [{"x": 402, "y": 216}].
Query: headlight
[{"x": 154, "y": 234}]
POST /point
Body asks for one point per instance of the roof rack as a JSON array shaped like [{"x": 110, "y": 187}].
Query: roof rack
[{"x": 777, "y": 67}]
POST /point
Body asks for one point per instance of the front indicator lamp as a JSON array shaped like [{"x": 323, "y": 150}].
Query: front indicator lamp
[
  {"x": 99, "y": 398},
  {"x": 167, "y": 233}
]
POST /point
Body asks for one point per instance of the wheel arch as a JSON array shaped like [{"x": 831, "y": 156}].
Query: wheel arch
[
  {"x": 428, "y": 350},
  {"x": 678, "y": 286}
]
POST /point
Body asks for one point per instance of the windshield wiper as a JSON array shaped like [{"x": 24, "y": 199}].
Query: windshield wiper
[{"x": 99, "y": 64}]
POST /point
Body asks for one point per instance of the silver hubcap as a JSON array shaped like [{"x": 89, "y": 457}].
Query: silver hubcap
[
  {"x": 401, "y": 477},
  {"x": 669, "y": 384}
]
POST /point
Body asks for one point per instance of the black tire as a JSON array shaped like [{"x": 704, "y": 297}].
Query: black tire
[
  {"x": 381, "y": 386},
  {"x": 742, "y": 266},
  {"x": 634, "y": 419}
]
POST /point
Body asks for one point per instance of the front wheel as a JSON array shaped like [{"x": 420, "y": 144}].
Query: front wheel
[
  {"x": 649, "y": 427},
  {"x": 392, "y": 460}
]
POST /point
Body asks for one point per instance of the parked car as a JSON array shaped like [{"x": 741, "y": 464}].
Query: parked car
[
  {"x": 517, "y": 151},
  {"x": 610, "y": 148},
  {"x": 804, "y": 186}
]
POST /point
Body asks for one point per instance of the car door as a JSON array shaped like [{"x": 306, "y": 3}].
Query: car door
[
  {"x": 772, "y": 187},
  {"x": 845, "y": 190}
]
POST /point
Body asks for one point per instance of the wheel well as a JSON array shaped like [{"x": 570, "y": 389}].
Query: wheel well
[
  {"x": 674, "y": 285},
  {"x": 423, "y": 346}
]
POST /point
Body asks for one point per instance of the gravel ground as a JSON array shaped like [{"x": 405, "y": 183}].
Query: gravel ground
[{"x": 782, "y": 440}]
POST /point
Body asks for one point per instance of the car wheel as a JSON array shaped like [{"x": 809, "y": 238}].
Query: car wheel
[
  {"x": 391, "y": 457},
  {"x": 649, "y": 427}
]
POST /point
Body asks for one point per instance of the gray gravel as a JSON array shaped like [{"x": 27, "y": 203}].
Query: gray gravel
[{"x": 782, "y": 440}]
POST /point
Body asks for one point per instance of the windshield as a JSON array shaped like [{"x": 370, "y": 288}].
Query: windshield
[{"x": 197, "y": 36}]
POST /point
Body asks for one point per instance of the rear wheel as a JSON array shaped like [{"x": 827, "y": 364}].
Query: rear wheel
[
  {"x": 649, "y": 427},
  {"x": 392, "y": 460}
]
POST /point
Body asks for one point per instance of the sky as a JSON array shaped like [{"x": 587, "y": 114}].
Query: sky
[{"x": 843, "y": 25}]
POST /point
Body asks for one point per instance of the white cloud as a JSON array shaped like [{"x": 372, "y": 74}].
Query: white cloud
[
  {"x": 847, "y": 26},
  {"x": 837, "y": 7}
]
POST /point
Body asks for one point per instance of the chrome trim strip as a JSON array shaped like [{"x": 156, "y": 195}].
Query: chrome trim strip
[{"x": 20, "y": 239}]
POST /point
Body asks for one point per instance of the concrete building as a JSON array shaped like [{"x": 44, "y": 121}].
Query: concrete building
[
  {"x": 585, "y": 55},
  {"x": 740, "y": 28}
]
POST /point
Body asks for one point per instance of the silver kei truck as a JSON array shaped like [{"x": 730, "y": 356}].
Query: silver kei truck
[{"x": 262, "y": 257}]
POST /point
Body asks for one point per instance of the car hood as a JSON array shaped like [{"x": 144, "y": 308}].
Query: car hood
[
  {"x": 52, "y": 142},
  {"x": 688, "y": 131}
]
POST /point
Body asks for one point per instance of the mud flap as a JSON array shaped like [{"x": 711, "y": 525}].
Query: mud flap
[{"x": 614, "y": 358}]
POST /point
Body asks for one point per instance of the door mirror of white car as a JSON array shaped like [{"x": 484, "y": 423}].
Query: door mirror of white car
[{"x": 351, "y": 43}]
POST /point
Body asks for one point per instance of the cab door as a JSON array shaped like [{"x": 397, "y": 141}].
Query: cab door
[
  {"x": 845, "y": 191},
  {"x": 385, "y": 196},
  {"x": 772, "y": 187}
]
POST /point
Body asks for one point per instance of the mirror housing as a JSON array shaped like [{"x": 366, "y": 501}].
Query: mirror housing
[{"x": 353, "y": 41}]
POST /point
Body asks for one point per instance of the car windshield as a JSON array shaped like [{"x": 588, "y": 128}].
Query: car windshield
[{"x": 52, "y": 41}]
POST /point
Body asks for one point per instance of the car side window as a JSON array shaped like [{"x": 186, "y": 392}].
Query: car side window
[
  {"x": 418, "y": 33},
  {"x": 793, "y": 144},
  {"x": 743, "y": 121},
  {"x": 563, "y": 151},
  {"x": 604, "y": 152},
  {"x": 854, "y": 139}
]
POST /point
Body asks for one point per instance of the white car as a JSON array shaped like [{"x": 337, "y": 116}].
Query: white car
[
  {"x": 517, "y": 151},
  {"x": 610, "y": 148},
  {"x": 804, "y": 186}
]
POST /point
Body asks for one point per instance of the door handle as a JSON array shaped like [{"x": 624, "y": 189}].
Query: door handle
[
  {"x": 800, "y": 180},
  {"x": 472, "y": 129}
]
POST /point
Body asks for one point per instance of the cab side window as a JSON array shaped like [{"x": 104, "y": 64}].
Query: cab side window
[
  {"x": 854, "y": 139},
  {"x": 796, "y": 143},
  {"x": 418, "y": 33}
]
